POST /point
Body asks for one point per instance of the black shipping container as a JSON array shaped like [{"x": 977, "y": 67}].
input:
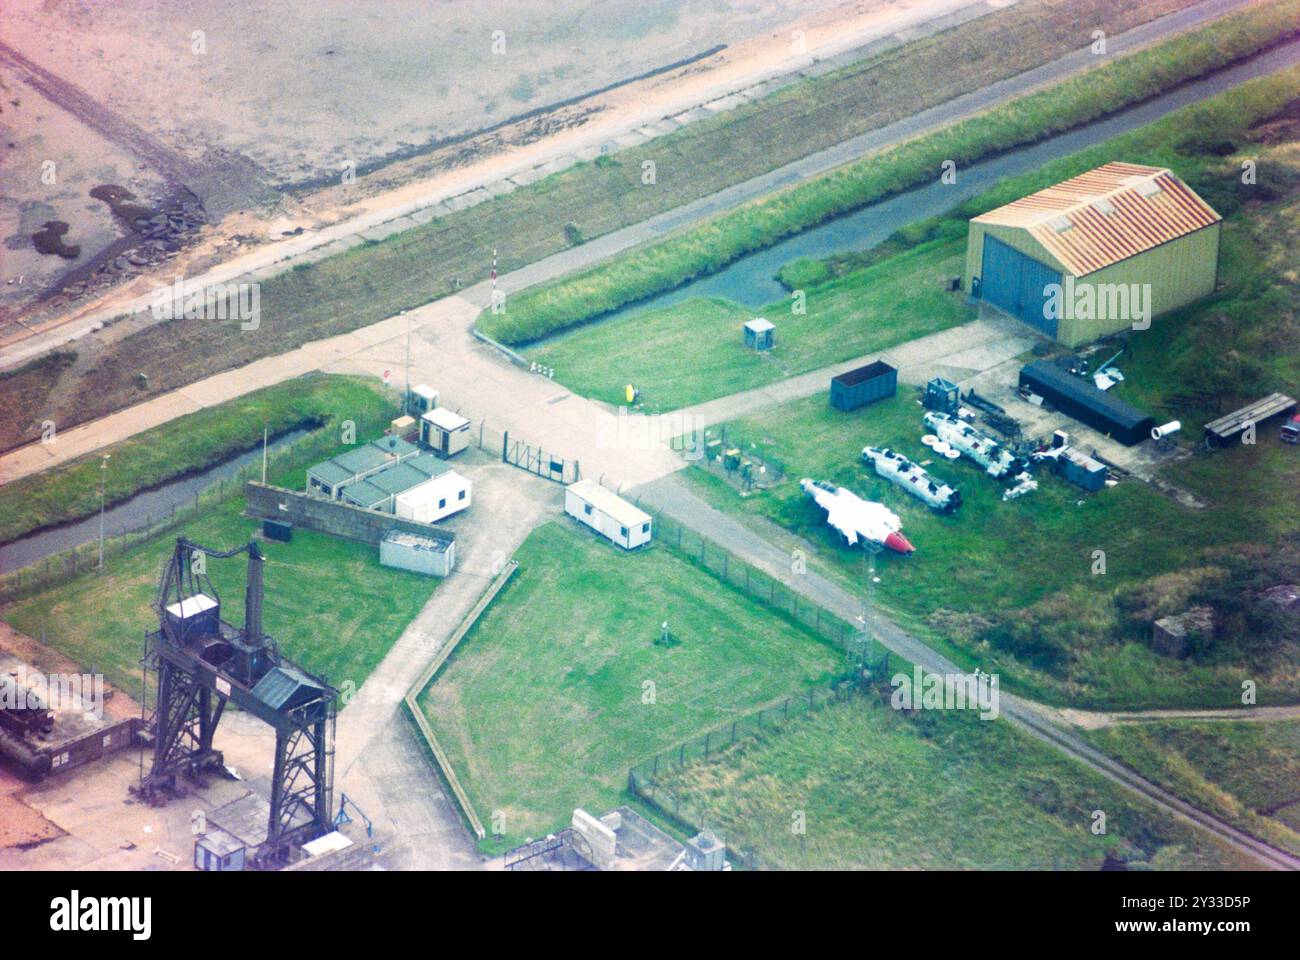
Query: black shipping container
[
  {"x": 1080, "y": 399},
  {"x": 857, "y": 388}
]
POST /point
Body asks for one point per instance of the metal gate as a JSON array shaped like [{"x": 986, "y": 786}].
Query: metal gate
[
  {"x": 1016, "y": 283},
  {"x": 536, "y": 460}
]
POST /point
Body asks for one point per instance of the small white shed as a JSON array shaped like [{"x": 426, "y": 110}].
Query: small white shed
[
  {"x": 437, "y": 497},
  {"x": 760, "y": 334},
  {"x": 444, "y": 431},
  {"x": 423, "y": 399},
  {"x": 607, "y": 513}
]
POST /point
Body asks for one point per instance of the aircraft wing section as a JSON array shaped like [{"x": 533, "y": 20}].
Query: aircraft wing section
[{"x": 844, "y": 521}]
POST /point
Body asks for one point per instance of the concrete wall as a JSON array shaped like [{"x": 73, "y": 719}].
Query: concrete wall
[{"x": 334, "y": 518}]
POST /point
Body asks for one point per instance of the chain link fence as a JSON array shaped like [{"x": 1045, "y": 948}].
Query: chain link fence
[
  {"x": 647, "y": 780},
  {"x": 739, "y": 461},
  {"x": 853, "y": 639}
]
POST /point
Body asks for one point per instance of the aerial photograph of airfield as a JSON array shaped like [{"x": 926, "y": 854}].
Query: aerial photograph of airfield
[{"x": 700, "y": 435}]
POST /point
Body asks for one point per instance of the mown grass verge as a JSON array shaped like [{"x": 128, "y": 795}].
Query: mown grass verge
[
  {"x": 1243, "y": 771},
  {"x": 647, "y": 270},
  {"x": 571, "y": 655}
]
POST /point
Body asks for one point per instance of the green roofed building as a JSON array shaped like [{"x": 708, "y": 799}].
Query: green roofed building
[
  {"x": 332, "y": 476},
  {"x": 1102, "y": 252},
  {"x": 380, "y": 490}
]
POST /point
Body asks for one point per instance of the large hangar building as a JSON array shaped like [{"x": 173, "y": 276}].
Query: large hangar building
[{"x": 1135, "y": 239}]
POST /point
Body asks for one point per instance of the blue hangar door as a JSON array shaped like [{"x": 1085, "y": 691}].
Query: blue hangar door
[{"x": 1014, "y": 282}]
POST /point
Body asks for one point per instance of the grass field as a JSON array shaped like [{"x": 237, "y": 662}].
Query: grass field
[
  {"x": 375, "y": 281},
  {"x": 870, "y": 301},
  {"x": 880, "y": 791},
  {"x": 698, "y": 250},
  {"x": 993, "y": 561},
  {"x": 189, "y": 444},
  {"x": 329, "y": 603},
  {"x": 1008, "y": 586},
  {"x": 698, "y": 354},
  {"x": 541, "y": 708},
  {"x": 1241, "y": 771}
]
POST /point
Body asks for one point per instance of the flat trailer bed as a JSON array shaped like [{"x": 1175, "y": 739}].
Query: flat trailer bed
[{"x": 1218, "y": 432}]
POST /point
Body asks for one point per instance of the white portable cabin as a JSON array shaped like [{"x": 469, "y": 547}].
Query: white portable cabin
[
  {"x": 444, "y": 431},
  {"x": 608, "y": 514},
  {"x": 423, "y": 398},
  {"x": 438, "y": 497}
]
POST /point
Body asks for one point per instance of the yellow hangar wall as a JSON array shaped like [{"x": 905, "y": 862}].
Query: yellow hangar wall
[{"x": 1179, "y": 272}]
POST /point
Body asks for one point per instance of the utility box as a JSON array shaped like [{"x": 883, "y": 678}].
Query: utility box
[
  {"x": 942, "y": 394},
  {"x": 857, "y": 388},
  {"x": 444, "y": 431},
  {"x": 1083, "y": 471},
  {"x": 277, "y": 530},
  {"x": 706, "y": 853},
  {"x": 218, "y": 851},
  {"x": 760, "y": 334},
  {"x": 421, "y": 400}
]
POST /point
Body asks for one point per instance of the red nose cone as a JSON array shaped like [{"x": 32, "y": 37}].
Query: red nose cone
[{"x": 898, "y": 543}]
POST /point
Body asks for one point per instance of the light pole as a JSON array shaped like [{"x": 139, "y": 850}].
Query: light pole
[{"x": 103, "y": 472}]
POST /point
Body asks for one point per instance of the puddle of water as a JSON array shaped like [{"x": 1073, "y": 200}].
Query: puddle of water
[{"x": 49, "y": 240}]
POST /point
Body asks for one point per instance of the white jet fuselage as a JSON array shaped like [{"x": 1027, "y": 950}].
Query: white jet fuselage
[{"x": 858, "y": 519}]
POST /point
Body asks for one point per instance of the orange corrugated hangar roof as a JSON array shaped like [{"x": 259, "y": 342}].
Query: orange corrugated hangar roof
[{"x": 1106, "y": 215}]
